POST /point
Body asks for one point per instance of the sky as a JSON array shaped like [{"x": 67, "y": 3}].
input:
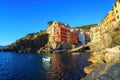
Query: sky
[{"x": 20, "y": 17}]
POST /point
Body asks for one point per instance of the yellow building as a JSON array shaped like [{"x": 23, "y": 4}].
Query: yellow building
[
  {"x": 107, "y": 22},
  {"x": 116, "y": 9},
  {"x": 68, "y": 36},
  {"x": 103, "y": 33}
]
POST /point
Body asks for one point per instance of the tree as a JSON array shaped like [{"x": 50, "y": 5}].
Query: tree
[
  {"x": 50, "y": 23},
  {"x": 41, "y": 31}
]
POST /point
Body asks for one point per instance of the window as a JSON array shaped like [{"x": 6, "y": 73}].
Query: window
[
  {"x": 115, "y": 5},
  {"x": 117, "y": 17},
  {"x": 116, "y": 11}
]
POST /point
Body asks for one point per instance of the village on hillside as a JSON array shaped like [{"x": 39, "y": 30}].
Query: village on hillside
[
  {"x": 105, "y": 34},
  {"x": 102, "y": 36},
  {"x": 105, "y": 47},
  {"x": 104, "y": 40},
  {"x": 64, "y": 52},
  {"x": 60, "y": 33}
]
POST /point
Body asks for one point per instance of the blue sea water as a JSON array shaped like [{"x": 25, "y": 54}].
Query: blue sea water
[{"x": 24, "y": 66}]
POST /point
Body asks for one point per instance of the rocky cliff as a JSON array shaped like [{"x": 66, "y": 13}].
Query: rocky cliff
[
  {"x": 37, "y": 42},
  {"x": 30, "y": 43}
]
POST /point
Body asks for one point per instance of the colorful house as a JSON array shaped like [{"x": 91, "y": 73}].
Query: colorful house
[
  {"x": 107, "y": 22},
  {"x": 59, "y": 32},
  {"x": 74, "y": 37},
  {"x": 68, "y": 36},
  {"x": 51, "y": 30},
  {"x": 116, "y": 9},
  {"x": 81, "y": 38}
]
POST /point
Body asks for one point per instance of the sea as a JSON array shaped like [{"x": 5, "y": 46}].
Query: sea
[{"x": 30, "y": 66}]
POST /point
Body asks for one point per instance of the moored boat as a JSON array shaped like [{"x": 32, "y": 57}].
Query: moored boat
[
  {"x": 76, "y": 53},
  {"x": 46, "y": 58}
]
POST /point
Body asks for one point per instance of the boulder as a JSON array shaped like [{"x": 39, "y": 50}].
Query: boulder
[
  {"x": 109, "y": 55},
  {"x": 97, "y": 59},
  {"x": 90, "y": 68},
  {"x": 106, "y": 71},
  {"x": 113, "y": 54}
]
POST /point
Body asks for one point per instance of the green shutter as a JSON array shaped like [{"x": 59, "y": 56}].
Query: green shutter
[
  {"x": 117, "y": 17},
  {"x": 115, "y": 5},
  {"x": 116, "y": 11}
]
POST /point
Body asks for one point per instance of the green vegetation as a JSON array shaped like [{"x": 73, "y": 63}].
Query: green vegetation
[
  {"x": 32, "y": 35},
  {"x": 87, "y": 27},
  {"x": 50, "y": 23}
]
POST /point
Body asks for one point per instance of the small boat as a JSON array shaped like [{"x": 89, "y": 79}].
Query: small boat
[
  {"x": 46, "y": 58},
  {"x": 76, "y": 53}
]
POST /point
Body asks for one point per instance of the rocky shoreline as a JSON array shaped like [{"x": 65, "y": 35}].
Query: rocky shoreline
[
  {"x": 30, "y": 43},
  {"x": 105, "y": 65},
  {"x": 105, "y": 55}
]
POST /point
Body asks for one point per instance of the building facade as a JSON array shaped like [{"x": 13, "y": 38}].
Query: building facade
[
  {"x": 116, "y": 9},
  {"x": 108, "y": 21},
  {"x": 59, "y": 32},
  {"x": 106, "y": 34},
  {"x": 81, "y": 38}
]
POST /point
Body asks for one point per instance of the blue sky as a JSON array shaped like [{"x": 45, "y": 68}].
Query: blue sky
[{"x": 20, "y": 17}]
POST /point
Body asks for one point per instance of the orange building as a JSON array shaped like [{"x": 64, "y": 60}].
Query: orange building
[
  {"x": 60, "y": 33},
  {"x": 63, "y": 34}
]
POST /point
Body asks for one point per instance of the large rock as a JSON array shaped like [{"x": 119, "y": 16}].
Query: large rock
[
  {"x": 98, "y": 58},
  {"x": 55, "y": 47},
  {"x": 91, "y": 68},
  {"x": 113, "y": 54},
  {"x": 106, "y": 71},
  {"x": 105, "y": 56}
]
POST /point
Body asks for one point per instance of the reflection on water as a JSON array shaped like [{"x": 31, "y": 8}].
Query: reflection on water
[
  {"x": 31, "y": 67},
  {"x": 46, "y": 65}
]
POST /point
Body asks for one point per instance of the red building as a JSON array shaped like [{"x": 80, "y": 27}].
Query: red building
[
  {"x": 60, "y": 33},
  {"x": 63, "y": 34}
]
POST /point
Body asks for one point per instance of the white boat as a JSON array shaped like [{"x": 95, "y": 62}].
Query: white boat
[
  {"x": 46, "y": 58},
  {"x": 75, "y": 53}
]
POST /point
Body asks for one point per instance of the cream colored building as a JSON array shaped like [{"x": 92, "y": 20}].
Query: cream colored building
[
  {"x": 50, "y": 30},
  {"x": 108, "y": 21},
  {"x": 95, "y": 34}
]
